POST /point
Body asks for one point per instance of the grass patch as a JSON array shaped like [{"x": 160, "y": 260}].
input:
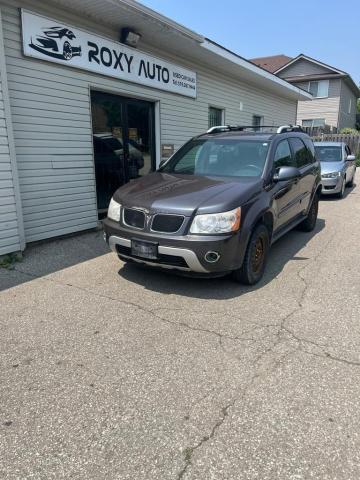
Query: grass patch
[{"x": 8, "y": 261}]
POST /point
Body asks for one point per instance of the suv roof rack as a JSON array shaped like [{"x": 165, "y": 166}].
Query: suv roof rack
[
  {"x": 289, "y": 128},
  {"x": 241, "y": 128}
]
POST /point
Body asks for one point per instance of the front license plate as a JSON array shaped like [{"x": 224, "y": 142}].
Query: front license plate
[{"x": 143, "y": 249}]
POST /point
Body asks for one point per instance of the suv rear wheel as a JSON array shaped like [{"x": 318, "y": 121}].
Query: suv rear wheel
[{"x": 256, "y": 254}]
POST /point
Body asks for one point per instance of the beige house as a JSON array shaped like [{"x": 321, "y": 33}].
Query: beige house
[{"x": 335, "y": 93}]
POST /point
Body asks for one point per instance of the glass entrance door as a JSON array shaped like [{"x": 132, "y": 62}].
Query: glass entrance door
[{"x": 123, "y": 138}]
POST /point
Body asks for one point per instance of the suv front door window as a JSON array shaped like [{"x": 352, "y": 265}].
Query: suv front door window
[
  {"x": 301, "y": 153},
  {"x": 304, "y": 162},
  {"x": 283, "y": 157}
]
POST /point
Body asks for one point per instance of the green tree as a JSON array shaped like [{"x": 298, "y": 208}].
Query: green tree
[{"x": 358, "y": 105}]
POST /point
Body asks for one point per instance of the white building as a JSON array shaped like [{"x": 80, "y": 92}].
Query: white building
[{"x": 82, "y": 113}]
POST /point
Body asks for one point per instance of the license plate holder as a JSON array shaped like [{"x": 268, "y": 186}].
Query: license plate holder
[{"x": 144, "y": 249}]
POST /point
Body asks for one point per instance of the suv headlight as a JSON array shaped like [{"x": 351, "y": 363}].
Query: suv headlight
[
  {"x": 331, "y": 175},
  {"x": 114, "y": 211},
  {"x": 214, "y": 223}
]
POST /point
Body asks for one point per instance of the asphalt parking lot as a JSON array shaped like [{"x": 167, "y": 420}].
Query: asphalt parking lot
[{"x": 117, "y": 372}]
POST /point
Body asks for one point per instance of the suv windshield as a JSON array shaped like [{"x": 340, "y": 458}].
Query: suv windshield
[
  {"x": 220, "y": 157},
  {"x": 328, "y": 154}
]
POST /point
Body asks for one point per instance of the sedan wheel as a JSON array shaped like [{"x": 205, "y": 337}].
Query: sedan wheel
[
  {"x": 351, "y": 183},
  {"x": 342, "y": 191}
]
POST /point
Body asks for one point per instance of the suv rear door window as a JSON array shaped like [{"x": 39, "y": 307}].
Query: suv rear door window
[
  {"x": 301, "y": 153},
  {"x": 283, "y": 157}
]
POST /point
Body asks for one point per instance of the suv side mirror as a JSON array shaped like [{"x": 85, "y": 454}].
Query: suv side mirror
[
  {"x": 350, "y": 158},
  {"x": 286, "y": 173}
]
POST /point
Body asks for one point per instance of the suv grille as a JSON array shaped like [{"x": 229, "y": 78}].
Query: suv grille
[
  {"x": 167, "y": 223},
  {"x": 134, "y": 218}
]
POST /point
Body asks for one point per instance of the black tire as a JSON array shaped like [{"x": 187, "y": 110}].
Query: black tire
[
  {"x": 67, "y": 51},
  {"x": 309, "y": 223},
  {"x": 351, "y": 183},
  {"x": 342, "y": 191},
  {"x": 255, "y": 258}
]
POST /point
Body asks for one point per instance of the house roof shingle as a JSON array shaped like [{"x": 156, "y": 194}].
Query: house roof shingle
[{"x": 273, "y": 63}]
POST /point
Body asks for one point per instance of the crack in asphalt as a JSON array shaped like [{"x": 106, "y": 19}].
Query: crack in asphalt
[{"x": 188, "y": 452}]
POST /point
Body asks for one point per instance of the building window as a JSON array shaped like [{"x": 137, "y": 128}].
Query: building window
[
  {"x": 257, "y": 121},
  {"x": 350, "y": 105},
  {"x": 319, "y": 89},
  {"x": 215, "y": 117},
  {"x": 314, "y": 122}
]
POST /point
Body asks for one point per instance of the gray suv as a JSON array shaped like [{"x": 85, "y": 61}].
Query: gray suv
[{"x": 218, "y": 203}]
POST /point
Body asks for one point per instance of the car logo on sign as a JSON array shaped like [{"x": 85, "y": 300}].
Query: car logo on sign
[{"x": 56, "y": 42}]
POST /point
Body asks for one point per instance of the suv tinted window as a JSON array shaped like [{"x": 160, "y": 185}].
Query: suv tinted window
[
  {"x": 283, "y": 157},
  {"x": 301, "y": 153}
]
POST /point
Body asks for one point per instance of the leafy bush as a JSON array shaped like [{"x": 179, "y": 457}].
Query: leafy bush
[{"x": 350, "y": 131}]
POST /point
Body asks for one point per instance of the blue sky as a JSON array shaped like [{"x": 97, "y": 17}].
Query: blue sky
[{"x": 328, "y": 30}]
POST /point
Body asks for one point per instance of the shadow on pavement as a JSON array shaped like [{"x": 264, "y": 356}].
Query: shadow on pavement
[
  {"x": 55, "y": 255},
  {"x": 281, "y": 252},
  {"x": 50, "y": 256}
]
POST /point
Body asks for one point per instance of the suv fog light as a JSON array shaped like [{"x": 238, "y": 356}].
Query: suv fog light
[{"x": 212, "y": 257}]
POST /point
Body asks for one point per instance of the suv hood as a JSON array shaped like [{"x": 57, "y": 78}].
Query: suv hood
[
  {"x": 183, "y": 194},
  {"x": 329, "y": 167}
]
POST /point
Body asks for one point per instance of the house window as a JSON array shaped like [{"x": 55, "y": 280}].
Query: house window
[
  {"x": 257, "y": 121},
  {"x": 314, "y": 122},
  {"x": 215, "y": 116},
  {"x": 350, "y": 105},
  {"x": 319, "y": 89}
]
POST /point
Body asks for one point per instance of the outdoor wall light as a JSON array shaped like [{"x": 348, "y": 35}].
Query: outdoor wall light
[{"x": 130, "y": 37}]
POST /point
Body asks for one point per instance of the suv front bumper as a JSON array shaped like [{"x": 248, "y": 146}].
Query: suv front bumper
[
  {"x": 184, "y": 253},
  {"x": 117, "y": 245}
]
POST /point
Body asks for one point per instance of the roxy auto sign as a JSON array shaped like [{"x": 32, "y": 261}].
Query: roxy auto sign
[{"x": 60, "y": 43}]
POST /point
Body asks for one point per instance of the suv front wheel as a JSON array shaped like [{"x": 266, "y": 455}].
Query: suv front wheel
[
  {"x": 256, "y": 254},
  {"x": 309, "y": 223}
]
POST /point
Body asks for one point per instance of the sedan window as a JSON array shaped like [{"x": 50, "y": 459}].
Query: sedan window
[{"x": 328, "y": 154}]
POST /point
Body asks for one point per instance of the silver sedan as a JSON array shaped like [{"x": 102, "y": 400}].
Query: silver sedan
[{"x": 338, "y": 167}]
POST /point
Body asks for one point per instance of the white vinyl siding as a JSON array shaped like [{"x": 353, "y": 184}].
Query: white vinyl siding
[
  {"x": 9, "y": 229},
  {"x": 52, "y": 123}
]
